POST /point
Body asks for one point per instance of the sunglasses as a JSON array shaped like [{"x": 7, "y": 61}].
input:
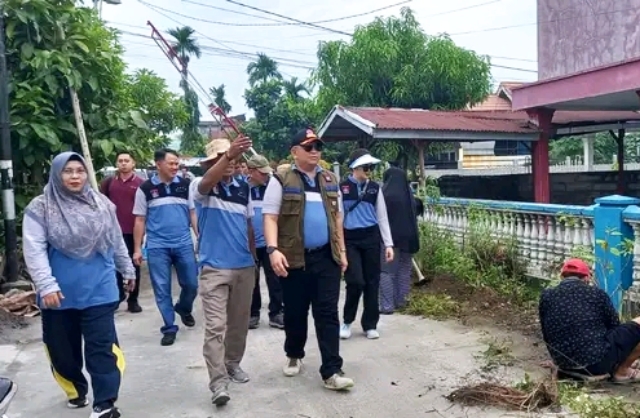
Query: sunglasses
[
  {"x": 313, "y": 146},
  {"x": 367, "y": 168}
]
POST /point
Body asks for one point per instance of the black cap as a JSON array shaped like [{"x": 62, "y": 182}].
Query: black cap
[{"x": 304, "y": 137}]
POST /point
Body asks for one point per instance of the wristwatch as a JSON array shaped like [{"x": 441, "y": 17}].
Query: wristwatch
[{"x": 271, "y": 249}]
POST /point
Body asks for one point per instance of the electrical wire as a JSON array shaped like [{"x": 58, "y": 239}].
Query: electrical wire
[
  {"x": 281, "y": 23},
  {"x": 301, "y": 22},
  {"x": 554, "y": 20}
]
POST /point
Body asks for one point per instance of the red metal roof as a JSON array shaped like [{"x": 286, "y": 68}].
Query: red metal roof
[
  {"x": 479, "y": 120},
  {"x": 419, "y": 119}
]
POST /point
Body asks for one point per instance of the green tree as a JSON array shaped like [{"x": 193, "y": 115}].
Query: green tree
[
  {"x": 279, "y": 108},
  {"x": 392, "y": 63},
  {"x": 294, "y": 89},
  {"x": 604, "y": 147},
  {"x": 51, "y": 47},
  {"x": 263, "y": 69},
  {"x": 220, "y": 98},
  {"x": 164, "y": 111},
  {"x": 187, "y": 47}
]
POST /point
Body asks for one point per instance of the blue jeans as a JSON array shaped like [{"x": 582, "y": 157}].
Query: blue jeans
[{"x": 160, "y": 261}]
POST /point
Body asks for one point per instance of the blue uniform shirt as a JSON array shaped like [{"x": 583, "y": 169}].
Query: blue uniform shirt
[
  {"x": 224, "y": 225},
  {"x": 166, "y": 208}
]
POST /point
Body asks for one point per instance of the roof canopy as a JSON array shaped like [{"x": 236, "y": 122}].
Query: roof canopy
[
  {"x": 609, "y": 87},
  {"x": 362, "y": 123}
]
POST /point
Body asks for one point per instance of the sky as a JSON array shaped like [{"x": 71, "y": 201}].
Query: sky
[{"x": 231, "y": 34}]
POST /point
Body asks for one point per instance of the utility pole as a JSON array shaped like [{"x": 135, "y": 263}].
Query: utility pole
[{"x": 6, "y": 164}]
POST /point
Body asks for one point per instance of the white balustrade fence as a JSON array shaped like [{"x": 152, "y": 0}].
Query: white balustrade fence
[{"x": 545, "y": 234}]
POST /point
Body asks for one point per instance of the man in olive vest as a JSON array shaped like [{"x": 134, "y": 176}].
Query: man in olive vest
[{"x": 302, "y": 210}]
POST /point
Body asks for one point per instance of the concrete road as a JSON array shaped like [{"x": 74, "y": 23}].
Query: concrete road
[{"x": 404, "y": 374}]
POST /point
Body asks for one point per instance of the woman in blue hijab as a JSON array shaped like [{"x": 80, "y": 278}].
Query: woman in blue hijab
[{"x": 72, "y": 246}]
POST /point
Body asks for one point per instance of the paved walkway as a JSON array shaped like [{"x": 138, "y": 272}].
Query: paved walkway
[{"x": 403, "y": 374}]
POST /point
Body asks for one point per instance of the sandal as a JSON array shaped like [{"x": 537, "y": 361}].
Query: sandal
[
  {"x": 632, "y": 377},
  {"x": 636, "y": 364}
]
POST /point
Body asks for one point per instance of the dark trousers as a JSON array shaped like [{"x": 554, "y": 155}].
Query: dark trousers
[
  {"x": 318, "y": 286},
  {"x": 63, "y": 332},
  {"x": 273, "y": 285},
  {"x": 133, "y": 296},
  {"x": 363, "y": 275}
]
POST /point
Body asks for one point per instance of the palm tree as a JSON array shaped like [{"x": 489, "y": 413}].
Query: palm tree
[
  {"x": 219, "y": 98},
  {"x": 263, "y": 69},
  {"x": 293, "y": 89},
  {"x": 185, "y": 45}
]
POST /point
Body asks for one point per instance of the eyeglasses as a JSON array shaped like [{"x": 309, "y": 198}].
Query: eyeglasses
[{"x": 313, "y": 146}]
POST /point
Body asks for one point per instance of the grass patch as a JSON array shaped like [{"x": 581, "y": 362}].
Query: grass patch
[
  {"x": 594, "y": 404},
  {"x": 497, "y": 354},
  {"x": 436, "y": 306}
]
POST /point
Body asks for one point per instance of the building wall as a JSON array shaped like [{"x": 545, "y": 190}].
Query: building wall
[
  {"x": 566, "y": 188},
  {"x": 576, "y": 35}
]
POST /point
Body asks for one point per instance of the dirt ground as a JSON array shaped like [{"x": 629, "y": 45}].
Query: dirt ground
[
  {"x": 485, "y": 309},
  {"x": 12, "y": 327}
]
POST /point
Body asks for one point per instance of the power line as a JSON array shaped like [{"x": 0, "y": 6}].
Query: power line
[
  {"x": 297, "y": 52},
  {"x": 465, "y": 8},
  {"x": 303, "y": 23},
  {"x": 560, "y": 19},
  {"x": 288, "y": 51},
  {"x": 154, "y": 8},
  {"x": 281, "y": 23},
  {"x": 215, "y": 51}
]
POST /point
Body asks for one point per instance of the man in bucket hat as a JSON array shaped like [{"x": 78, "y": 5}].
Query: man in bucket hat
[
  {"x": 259, "y": 176},
  {"x": 227, "y": 267}
]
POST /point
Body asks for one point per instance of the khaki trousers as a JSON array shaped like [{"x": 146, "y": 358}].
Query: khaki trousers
[{"x": 226, "y": 303}]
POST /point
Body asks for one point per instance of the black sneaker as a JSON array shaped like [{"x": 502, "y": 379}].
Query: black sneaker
[
  {"x": 79, "y": 402},
  {"x": 187, "y": 319},
  {"x": 254, "y": 322},
  {"x": 277, "y": 321},
  {"x": 134, "y": 307},
  {"x": 112, "y": 412},
  {"x": 168, "y": 339}
]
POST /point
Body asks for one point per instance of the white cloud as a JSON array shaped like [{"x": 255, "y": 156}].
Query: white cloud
[{"x": 474, "y": 28}]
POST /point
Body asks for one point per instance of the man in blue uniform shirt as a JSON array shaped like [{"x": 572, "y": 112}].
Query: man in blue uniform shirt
[
  {"x": 162, "y": 213},
  {"x": 227, "y": 265}
]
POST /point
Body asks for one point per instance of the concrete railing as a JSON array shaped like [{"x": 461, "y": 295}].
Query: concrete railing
[{"x": 545, "y": 234}]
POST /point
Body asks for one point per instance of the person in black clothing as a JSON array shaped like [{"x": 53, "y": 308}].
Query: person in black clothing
[
  {"x": 582, "y": 330},
  {"x": 395, "y": 277}
]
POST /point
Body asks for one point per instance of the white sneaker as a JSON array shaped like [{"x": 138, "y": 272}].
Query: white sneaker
[
  {"x": 293, "y": 367},
  {"x": 373, "y": 334},
  {"x": 345, "y": 331},
  {"x": 338, "y": 383}
]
